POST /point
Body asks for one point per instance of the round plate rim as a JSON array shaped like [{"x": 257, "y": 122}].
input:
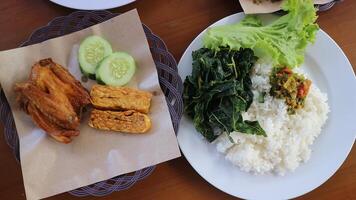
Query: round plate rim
[
  {"x": 79, "y": 6},
  {"x": 198, "y": 170}
]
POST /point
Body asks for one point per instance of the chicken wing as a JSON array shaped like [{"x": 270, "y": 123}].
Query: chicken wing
[
  {"x": 55, "y": 131},
  {"x": 54, "y": 99},
  {"x": 47, "y": 72},
  {"x": 54, "y": 104}
]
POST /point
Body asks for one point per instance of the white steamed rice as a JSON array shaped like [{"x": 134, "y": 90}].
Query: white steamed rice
[{"x": 289, "y": 137}]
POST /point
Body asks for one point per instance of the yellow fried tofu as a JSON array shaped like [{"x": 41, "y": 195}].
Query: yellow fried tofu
[
  {"x": 120, "y": 98},
  {"x": 122, "y": 121}
]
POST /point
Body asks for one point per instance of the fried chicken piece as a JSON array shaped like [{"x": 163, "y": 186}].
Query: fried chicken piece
[
  {"x": 53, "y": 99},
  {"x": 54, "y": 104},
  {"x": 55, "y": 131},
  {"x": 120, "y": 98},
  {"x": 50, "y": 73},
  {"x": 123, "y": 121}
]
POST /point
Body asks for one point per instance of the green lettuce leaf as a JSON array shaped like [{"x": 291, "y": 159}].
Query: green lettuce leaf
[{"x": 283, "y": 40}]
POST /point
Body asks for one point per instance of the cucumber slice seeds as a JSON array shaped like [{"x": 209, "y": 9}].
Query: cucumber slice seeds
[
  {"x": 97, "y": 61},
  {"x": 91, "y": 51},
  {"x": 117, "y": 69}
]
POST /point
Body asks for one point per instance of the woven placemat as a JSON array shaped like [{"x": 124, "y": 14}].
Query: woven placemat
[{"x": 169, "y": 80}]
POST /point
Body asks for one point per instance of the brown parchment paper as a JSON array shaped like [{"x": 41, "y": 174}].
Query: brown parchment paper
[
  {"x": 49, "y": 167},
  {"x": 266, "y": 6}
]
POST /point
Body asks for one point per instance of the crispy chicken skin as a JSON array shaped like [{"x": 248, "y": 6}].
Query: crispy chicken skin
[
  {"x": 120, "y": 98},
  {"x": 54, "y": 105},
  {"x": 53, "y": 99},
  {"x": 61, "y": 78},
  {"x": 123, "y": 121},
  {"x": 57, "y": 132}
]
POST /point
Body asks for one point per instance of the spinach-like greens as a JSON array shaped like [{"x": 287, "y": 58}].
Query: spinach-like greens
[{"x": 219, "y": 90}]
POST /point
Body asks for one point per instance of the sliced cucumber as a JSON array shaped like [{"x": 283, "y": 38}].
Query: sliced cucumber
[
  {"x": 117, "y": 69},
  {"x": 98, "y": 79},
  {"x": 91, "y": 51}
]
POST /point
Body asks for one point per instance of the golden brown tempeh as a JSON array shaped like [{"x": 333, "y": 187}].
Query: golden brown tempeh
[
  {"x": 120, "y": 98},
  {"x": 123, "y": 121}
]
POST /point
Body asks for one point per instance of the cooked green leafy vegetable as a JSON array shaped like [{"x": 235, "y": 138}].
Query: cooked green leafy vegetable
[
  {"x": 219, "y": 90},
  {"x": 284, "y": 40}
]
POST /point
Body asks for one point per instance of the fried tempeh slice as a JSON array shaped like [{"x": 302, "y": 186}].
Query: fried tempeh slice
[
  {"x": 123, "y": 121},
  {"x": 120, "y": 98}
]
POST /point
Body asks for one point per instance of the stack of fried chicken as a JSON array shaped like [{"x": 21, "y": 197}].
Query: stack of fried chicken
[{"x": 54, "y": 99}]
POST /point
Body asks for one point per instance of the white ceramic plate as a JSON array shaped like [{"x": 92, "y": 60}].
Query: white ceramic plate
[
  {"x": 331, "y": 71},
  {"x": 92, "y": 4}
]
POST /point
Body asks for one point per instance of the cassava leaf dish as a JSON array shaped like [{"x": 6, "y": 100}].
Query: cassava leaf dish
[{"x": 219, "y": 90}]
